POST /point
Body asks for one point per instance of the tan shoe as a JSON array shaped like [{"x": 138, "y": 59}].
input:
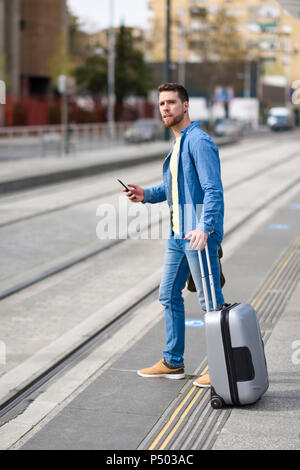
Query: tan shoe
[
  {"x": 203, "y": 381},
  {"x": 162, "y": 370}
]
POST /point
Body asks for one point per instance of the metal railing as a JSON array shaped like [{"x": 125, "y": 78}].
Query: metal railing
[{"x": 57, "y": 140}]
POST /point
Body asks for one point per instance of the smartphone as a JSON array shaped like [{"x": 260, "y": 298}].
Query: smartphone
[{"x": 121, "y": 182}]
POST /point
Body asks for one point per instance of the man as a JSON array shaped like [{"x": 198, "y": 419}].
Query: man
[{"x": 193, "y": 188}]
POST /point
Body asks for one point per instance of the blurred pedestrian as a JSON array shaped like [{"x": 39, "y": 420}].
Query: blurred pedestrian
[{"x": 193, "y": 188}]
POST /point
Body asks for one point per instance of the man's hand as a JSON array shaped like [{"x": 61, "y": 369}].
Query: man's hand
[
  {"x": 198, "y": 239},
  {"x": 136, "y": 193}
]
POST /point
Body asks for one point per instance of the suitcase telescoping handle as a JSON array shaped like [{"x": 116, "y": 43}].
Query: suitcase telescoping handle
[{"x": 211, "y": 280}]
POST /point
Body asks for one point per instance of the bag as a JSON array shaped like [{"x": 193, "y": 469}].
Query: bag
[
  {"x": 235, "y": 350},
  {"x": 190, "y": 282}
]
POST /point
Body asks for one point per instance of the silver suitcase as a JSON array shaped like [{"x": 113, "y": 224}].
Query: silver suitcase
[{"x": 235, "y": 350}]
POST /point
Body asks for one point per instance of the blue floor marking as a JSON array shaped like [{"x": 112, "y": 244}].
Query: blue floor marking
[
  {"x": 194, "y": 323},
  {"x": 279, "y": 226}
]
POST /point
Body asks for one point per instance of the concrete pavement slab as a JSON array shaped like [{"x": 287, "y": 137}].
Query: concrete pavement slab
[
  {"x": 265, "y": 256},
  {"x": 24, "y": 174},
  {"x": 272, "y": 423},
  {"x": 21, "y": 175}
]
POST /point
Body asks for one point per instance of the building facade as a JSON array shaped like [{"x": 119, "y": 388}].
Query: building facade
[
  {"x": 10, "y": 44},
  {"x": 30, "y": 32},
  {"x": 269, "y": 33},
  {"x": 99, "y": 40}
]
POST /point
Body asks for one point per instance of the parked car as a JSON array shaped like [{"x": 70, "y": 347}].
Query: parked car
[
  {"x": 228, "y": 127},
  {"x": 144, "y": 130},
  {"x": 280, "y": 118}
]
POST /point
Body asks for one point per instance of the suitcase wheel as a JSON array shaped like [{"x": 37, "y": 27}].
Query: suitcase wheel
[{"x": 216, "y": 402}]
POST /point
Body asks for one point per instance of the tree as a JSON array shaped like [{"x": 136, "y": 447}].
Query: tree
[
  {"x": 69, "y": 50},
  {"x": 60, "y": 62},
  {"x": 223, "y": 41},
  {"x": 132, "y": 74},
  {"x": 91, "y": 76},
  {"x": 220, "y": 46}
]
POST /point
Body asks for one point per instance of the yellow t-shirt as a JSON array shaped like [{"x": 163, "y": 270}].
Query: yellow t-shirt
[{"x": 174, "y": 171}]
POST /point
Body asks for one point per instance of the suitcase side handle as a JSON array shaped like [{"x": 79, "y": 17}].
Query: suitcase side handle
[{"x": 211, "y": 280}]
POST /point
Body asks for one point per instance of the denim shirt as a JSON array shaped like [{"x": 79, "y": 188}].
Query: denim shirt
[{"x": 200, "y": 190}]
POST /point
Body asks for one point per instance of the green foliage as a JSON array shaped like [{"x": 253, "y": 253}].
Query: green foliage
[
  {"x": 92, "y": 74},
  {"x": 220, "y": 45},
  {"x": 60, "y": 63},
  {"x": 223, "y": 39},
  {"x": 132, "y": 75},
  {"x": 69, "y": 50}
]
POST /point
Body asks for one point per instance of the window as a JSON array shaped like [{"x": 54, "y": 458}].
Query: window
[{"x": 287, "y": 29}]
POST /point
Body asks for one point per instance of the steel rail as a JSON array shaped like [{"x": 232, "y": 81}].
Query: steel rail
[
  {"x": 71, "y": 356},
  {"x": 89, "y": 254}
]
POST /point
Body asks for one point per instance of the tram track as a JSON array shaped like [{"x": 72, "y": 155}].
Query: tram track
[
  {"x": 8, "y": 404},
  {"x": 225, "y": 160},
  {"x": 71, "y": 356},
  {"x": 34, "y": 385},
  {"x": 190, "y": 422},
  {"x": 111, "y": 244},
  {"x": 68, "y": 205}
]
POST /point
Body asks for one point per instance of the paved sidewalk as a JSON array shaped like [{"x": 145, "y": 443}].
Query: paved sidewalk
[
  {"x": 273, "y": 423},
  {"x": 104, "y": 414},
  {"x": 25, "y": 174}
]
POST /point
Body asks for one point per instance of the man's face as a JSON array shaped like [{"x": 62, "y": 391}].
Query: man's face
[{"x": 172, "y": 109}]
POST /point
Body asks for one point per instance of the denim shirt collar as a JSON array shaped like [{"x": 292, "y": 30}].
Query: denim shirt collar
[
  {"x": 183, "y": 133},
  {"x": 188, "y": 129}
]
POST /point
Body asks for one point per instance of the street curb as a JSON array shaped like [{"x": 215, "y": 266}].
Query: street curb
[
  {"x": 74, "y": 173},
  {"x": 81, "y": 170},
  {"x": 27, "y": 372}
]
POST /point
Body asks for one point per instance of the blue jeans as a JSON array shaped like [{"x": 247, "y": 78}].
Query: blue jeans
[{"x": 180, "y": 261}]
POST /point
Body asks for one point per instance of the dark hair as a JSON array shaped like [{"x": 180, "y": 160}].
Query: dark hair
[{"x": 182, "y": 93}]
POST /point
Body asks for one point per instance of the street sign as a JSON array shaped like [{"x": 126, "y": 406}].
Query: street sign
[
  {"x": 66, "y": 85},
  {"x": 61, "y": 83},
  {"x": 224, "y": 95}
]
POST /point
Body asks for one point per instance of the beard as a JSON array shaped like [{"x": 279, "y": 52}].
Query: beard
[{"x": 173, "y": 121}]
